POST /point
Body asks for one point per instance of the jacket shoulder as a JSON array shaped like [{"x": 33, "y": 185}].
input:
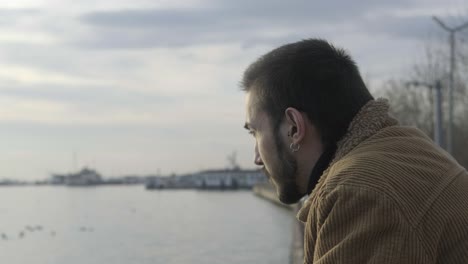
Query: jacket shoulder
[{"x": 394, "y": 156}]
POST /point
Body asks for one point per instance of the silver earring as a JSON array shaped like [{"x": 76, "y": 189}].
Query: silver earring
[{"x": 294, "y": 147}]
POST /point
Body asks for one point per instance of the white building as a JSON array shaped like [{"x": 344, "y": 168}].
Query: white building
[{"x": 228, "y": 179}]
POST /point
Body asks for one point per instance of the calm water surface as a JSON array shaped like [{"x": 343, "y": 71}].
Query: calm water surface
[{"x": 59, "y": 225}]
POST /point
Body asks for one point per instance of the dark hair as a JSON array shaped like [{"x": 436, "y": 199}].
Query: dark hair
[{"x": 314, "y": 77}]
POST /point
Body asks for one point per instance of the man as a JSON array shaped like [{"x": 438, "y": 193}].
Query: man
[{"x": 377, "y": 192}]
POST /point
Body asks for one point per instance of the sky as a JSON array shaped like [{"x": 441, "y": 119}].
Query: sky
[{"x": 139, "y": 87}]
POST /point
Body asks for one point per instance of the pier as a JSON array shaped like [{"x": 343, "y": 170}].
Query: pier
[{"x": 266, "y": 191}]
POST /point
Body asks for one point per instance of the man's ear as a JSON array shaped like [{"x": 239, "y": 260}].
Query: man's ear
[{"x": 296, "y": 124}]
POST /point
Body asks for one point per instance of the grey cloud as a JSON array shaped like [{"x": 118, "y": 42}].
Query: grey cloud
[
  {"x": 62, "y": 59},
  {"x": 416, "y": 27},
  {"x": 12, "y": 12},
  {"x": 227, "y": 21},
  {"x": 89, "y": 96},
  {"x": 237, "y": 13},
  {"x": 11, "y": 16}
]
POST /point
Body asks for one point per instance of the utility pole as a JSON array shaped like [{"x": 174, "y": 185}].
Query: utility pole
[
  {"x": 452, "y": 31},
  {"x": 437, "y": 93},
  {"x": 438, "y": 113}
]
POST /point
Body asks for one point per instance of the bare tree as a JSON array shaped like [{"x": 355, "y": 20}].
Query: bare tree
[{"x": 414, "y": 105}]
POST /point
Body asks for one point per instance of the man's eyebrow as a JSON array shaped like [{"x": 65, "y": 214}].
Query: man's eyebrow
[{"x": 247, "y": 126}]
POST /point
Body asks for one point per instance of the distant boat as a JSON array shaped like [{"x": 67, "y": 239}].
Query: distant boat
[
  {"x": 226, "y": 179},
  {"x": 85, "y": 177},
  {"x": 154, "y": 184}
]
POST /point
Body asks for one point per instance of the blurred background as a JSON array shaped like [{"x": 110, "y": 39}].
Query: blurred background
[{"x": 121, "y": 122}]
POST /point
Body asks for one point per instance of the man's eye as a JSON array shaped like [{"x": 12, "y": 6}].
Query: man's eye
[{"x": 251, "y": 132}]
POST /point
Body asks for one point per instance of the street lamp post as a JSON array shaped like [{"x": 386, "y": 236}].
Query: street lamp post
[
  {"x": 437, "y": 93},
  {"x": 438, "y": 113},
  {"x": 452, "y": 31}
]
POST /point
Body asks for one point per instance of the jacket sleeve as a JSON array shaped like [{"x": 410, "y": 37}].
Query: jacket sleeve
[{"x": 362, "y": 225}]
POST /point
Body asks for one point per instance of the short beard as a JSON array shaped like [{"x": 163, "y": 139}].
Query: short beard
[{"x": 287, "y": 188}]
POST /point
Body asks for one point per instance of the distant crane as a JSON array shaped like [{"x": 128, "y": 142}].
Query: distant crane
[{"x": 232, "y": 160}]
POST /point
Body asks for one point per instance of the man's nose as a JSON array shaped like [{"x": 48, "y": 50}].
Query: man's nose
[{"x": 257, "y": 159}]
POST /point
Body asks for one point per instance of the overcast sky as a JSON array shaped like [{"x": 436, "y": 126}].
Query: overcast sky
[{"x": 137, "y": 87}]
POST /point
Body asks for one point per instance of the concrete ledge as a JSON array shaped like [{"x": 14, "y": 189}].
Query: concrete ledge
[{"x": 266, "y": 190}]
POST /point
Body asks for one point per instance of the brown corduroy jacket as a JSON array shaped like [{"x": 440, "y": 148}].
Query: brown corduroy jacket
[{"x": 389, "y": 196}]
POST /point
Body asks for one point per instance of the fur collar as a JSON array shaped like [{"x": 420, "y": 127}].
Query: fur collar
[{"x": 372, "y": 117}]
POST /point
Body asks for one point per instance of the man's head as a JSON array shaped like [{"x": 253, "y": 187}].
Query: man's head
[{"x": 301, "y": 98}]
